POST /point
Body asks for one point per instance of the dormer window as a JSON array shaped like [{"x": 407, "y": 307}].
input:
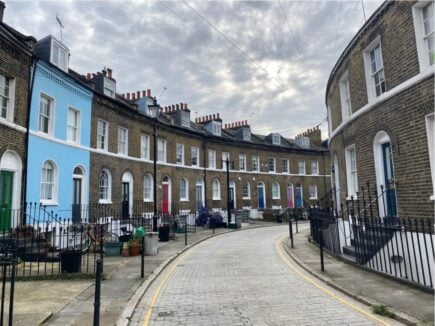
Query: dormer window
[
  {"x": 276, "y": 139},
  {"x": 185, "y": 119},
  {"x": 216, "y": 128},
  {"x": 246, "y": 134},
  {"x": 59, "y": 55},
  {"x": 109, "y": 87}
]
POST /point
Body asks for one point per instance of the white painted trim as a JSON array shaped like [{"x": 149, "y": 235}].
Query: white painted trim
[
  {"x": 417, "y": 15},
  {"x": 430, "y": 132},
  {"x": 382, "y": 98},
  {"x": 12, "y": 125},
  {"x": 11, "y": 161}
]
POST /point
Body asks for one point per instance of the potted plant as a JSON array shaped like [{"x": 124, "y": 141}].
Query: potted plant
[{"x": 134, "y": 246}]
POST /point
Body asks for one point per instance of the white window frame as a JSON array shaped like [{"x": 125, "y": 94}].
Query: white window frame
[
  {"x": 161, "y": 150},
  {"x": 148, "y": 188},
  {"x": 52, "y": 183},
  {"x": 76, "y": 128},
  {"x": 285, "y": 166},
  {"x": 271, "y": 162},
  {"x": 246, "y": 134},
  {"x": 185, "y": 196},
  {"x": 216, "y": 189},
  {"x": 9, "y": 98},
  {"x": 246, "y": 186},
  {"x": 185, "y": 119},
  {"x": 242, "y": 162},
  {"x": 370, "y": 83},
  {"x": 216, "y": 128},
  {"x": 50, "y": 117},
  {"x": 351, "y": 173},
  {"x": 430, "y": 130},
  {"x": 123, "y": 143},
  {"x": 62, "y": 65},
  {"x": 225, "y": 155},
  {"x": 255, "y": 163},
  {"x": 345, "y": 98},
  {"x": 212, "y": 159},
  {"x": 301, "y": 167},
  {"x": 312, "y": 191},
  {"x": 194, "y": 154},
  {"x": 315, "y": 167},
  {"x": 276, "y": 139},
  {"x": 420, "y": 35},
  {"x": 276, "y": 191},
  {"x": 179, "y": 154},
  {"x": 144, "y": 146},
  {"x": 108, "y": 199},
  {"x": 105, "y": 135}
]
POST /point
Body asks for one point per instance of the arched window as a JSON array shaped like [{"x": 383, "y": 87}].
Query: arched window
[
  {"x": 216, "y": 189},
  {"x": 246, "y": 191},
  {"x": 49, "y": 183},
  {"x": 105, "y": 186},
  {"x": 148, "y": 188},
  {"x": 184, "y": 189},
  {"x": 275, "y": 191}
]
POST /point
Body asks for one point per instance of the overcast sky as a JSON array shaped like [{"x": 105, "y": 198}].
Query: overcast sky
[{"x": 265, "y": 62}]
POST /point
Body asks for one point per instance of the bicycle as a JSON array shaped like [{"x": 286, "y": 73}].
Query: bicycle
[{"x": 92, "y": 235}]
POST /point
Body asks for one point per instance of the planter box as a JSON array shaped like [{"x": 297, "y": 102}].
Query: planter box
[{"x": 113, "y": 248}]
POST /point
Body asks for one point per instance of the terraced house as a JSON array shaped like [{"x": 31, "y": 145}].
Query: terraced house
[{"x": 15, "y": 70}]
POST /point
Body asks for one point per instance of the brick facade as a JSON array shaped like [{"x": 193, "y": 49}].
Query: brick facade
[{"x": 400, "y": 112}]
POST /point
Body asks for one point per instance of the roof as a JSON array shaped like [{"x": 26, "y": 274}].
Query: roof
[{"x": 25, "y": 42}]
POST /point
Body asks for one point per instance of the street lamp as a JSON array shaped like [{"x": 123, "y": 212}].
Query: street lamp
[
  {"x": 227, "y": 162},
  {"x": 154, "y": 112}
]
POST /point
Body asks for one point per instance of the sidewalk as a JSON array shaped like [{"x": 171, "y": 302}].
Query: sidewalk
[
  {"x": 70, "y": 302},
  {"x": 410, "y": 304}
]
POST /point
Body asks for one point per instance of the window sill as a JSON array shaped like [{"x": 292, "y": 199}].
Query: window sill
[
  {"x": 148, "y": 200},
  {"x": 313, "y": 198},
  {"x": 49, "y": 203},
  {"x": 184, "y": 199},
  {"x": 216, "y": 199},
  {"x": 246, "y": 198},
  {"x": 432, "y": 197},
  {"x": 276, "y": 197},
  {"x": 104, "y": 201},
  {"x": 352, "y": 197}
]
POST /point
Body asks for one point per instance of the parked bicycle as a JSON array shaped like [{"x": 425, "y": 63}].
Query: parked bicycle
[{"x": 91, "y": 235}]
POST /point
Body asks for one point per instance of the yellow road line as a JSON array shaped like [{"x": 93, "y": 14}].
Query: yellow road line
[
  {"x": 160, "y": 287},
  {"x": 309, "y": 280}
]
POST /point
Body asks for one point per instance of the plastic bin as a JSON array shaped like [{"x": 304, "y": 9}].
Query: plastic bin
[{"x": 71, "y": 261}]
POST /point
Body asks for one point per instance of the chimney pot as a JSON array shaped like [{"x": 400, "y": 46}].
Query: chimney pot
[
  {"x": 109, "y": 72},
  {"x": 2, "y": 10},
  {"x": 214, "y": 116},
  {"x": 133, "y": 96},
  {"x": 104, "y": 72},
  {"x": 218, "y": 116},
  {"x": 144, "y": 93},
  {"x": 148, "y": 92},
  {"x": 88, "y": 75},
  {"x": 177, "y": 107},
  {"x": 128, "y": 96},
  {"x": 138, "y": 94}
]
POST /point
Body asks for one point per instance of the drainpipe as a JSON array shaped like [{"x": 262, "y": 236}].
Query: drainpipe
[
  {"x": 204, "y": 150},
  {"x": 26, "y": 143}
]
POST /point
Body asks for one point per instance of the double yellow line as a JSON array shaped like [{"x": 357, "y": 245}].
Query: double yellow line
[{"x": 285, "y": 258}]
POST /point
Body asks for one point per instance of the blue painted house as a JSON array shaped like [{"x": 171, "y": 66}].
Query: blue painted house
[{"x": 59, "y": 134}]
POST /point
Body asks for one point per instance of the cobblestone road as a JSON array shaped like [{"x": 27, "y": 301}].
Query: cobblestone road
[{"x": 239, "y": 279}]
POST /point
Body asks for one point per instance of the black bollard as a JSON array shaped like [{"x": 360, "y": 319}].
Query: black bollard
[
  {"x": 12, "y": 290},
  {"x": 290, "y": 227},
  {"x": 185, "y": 232},
  {"x": 97, "y": 293},
  {"x": 296, "y": 222},
  {"x": 142, "y": 258},
  {"x": 322, "y": 266}
]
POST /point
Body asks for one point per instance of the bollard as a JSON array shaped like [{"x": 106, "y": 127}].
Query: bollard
[
  {"x": 322, "y": 266},
  {"x": 185, "y": 232},
  {"x": 296, "y": 222},
  {"x": 97, "y": 293},
  {"x": 3, "y": 293},
  {"x": 142, "y": 258},
  {"x": 101, "y": 247},
  {"x": 290, "y": 227},
  {"x": 12, "y": 290}
]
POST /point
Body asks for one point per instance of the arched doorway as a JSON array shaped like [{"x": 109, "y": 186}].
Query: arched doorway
[
  {"x": 199, "y": 194},
  {"x": 10, "y": 188},
  {"x": 79, "y": 193},
  {"x": 166, "y": 195},
  {"x": 383, "y": 157},
  {"x": 290, "y": 196},
  {"x": 261, "y": 193},
  {"x": 127, "y": 194}
]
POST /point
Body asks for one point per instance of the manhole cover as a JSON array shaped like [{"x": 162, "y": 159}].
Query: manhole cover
[{"x": 166, "y": 314}]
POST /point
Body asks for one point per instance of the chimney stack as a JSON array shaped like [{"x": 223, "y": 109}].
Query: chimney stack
[
  {"x": 144, "y": 93},
  {"x": 2, "y": 10}
]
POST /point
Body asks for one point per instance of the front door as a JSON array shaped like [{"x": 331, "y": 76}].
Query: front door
[
  {"x": 390, "y": 189},
  {"x": 77, "y": 200},
  {"x": 6, "y": 187},
  {"x": 299, "y": 200},
  {"x": 125, "y": 199},
  {"x": 232, "y": 202},
  {"x": 165, "y": 199},
  {"x": 260, "y": 190},
  {"x": 290, "y": 202}
]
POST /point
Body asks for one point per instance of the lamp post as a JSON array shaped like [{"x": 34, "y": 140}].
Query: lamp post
[
  {"x": 227, "y": 162},
  {"x": 155, "y": 111}
]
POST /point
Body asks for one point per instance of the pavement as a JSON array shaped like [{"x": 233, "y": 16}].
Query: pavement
[{"x": 70, "y": 302}]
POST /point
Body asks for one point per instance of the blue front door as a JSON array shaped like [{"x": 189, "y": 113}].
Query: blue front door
[
  {"x": 299, "y": 201},
  {"x": 260, "y": 197},
  {"x": 390, "y": 189}
]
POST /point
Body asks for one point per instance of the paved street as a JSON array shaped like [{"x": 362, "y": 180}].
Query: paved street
[{"x": 241, "y": 278}]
